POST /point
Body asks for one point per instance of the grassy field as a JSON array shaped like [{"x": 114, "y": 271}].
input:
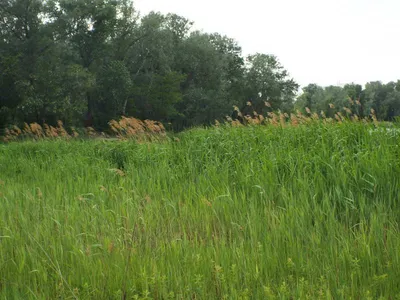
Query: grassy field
[{"x": 308, "y": 212}]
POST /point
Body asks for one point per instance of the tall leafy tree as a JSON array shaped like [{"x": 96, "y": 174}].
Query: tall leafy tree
[
  {"x": 90, "y": 29},
  {"x": 268, "y": 81},
  {"x": 76, "y": 59},
  {"x": 23, "y": 43},
  {"x": 214, "y": 70}
]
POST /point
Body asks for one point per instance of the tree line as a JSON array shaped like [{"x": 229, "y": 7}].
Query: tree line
[
  {"x": 383, "y": 99},
  {"x": 88, "y": 62}
]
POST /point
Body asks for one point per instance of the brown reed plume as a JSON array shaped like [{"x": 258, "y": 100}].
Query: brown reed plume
[
  {"x": 298, "y": 118},
  {"x": 146, "y": 130}
]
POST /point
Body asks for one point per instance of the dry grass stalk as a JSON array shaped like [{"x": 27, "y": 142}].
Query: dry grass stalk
[{"x": 135, "y": 128}]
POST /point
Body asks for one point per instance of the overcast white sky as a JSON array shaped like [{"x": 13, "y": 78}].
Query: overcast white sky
[{"x": 327, "y": 42}]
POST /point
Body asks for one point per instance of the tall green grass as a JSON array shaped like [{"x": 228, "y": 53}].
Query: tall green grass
[{"x": 308, "y": 212}]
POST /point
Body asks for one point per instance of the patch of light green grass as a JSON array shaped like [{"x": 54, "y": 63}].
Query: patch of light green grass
[{"x": 234, "y": 213}]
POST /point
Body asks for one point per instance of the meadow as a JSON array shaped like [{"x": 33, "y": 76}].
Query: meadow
[{"x": 256, "y": 212}]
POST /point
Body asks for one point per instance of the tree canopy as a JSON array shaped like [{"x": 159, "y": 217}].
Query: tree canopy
[
  {"x": 383, "y": 99},
  {"x": 70, "y": 59}
]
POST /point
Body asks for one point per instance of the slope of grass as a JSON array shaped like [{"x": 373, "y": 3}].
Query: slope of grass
[{"x": 223, "y": 213}]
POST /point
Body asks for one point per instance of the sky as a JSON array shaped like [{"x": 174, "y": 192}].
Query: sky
[{"x": 328, "y": 42}]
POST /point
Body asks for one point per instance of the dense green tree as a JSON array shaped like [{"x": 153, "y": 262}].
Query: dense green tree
[
  {"x": 97, "y": 33},
  {"x": 312, "y": 97},
  {"x": 114, "y": 89},
  {"x": 266, "y": 80},
  {"x": 77, "y": 59},
  {"x": 384, "y": 99},
  {"x": 355, "y": 93},
  {"x": 23, "y": 43},
  {"x": 151, "y": 63},
  {"x": 213, "y": 70}
]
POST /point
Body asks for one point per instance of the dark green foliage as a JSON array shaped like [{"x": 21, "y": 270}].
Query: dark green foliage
[
  {"x": 118, "y": 158},
  {"x": 66, "y": 59},
  {"x": 384, "y": 99}
]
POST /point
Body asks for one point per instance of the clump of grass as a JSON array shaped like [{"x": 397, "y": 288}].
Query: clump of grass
[
  {"x": 125, "y": 128},
  {"x": 142, "y": 130},
  {"x": 278, "y": 118},
  {"x": 36, "y": 131}
]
